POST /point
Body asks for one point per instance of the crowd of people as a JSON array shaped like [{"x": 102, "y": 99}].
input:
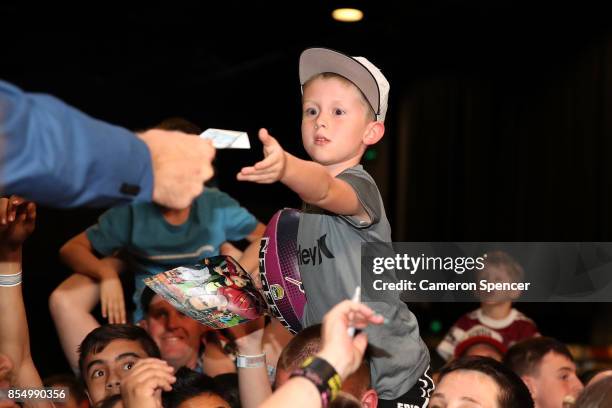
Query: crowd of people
[{"x": 348, "y": 354}]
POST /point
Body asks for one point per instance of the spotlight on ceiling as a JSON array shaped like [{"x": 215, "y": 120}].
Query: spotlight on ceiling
[{"x": 347, "y": 15}]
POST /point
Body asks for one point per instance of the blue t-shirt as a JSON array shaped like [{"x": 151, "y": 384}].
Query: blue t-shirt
[{"x": 153, "y": 245}]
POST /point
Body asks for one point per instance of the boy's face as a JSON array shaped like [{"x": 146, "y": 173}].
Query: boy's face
[
  {"x": 105, "y": 369},
  {"x": 556, "y": 378},
  {"x": 496, "y": 274},
  {"x": 465, "y": 388},
  {"x": 334, "y": 123}
]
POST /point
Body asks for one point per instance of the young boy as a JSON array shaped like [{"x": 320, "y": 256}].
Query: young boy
[
  {"x": 496, "y": 317},
  {"x": 344, "y": 105},
  {"x": 154, "y": 239}
]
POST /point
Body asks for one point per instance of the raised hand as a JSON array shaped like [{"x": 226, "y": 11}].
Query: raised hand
[
  {"x": 17, "y": 219},
  {"x": 142, "y": 387},
  {"x": 111, "y": 299},
  {"x": 339, "y": 349},
  {"x": 272, "y": 168}
]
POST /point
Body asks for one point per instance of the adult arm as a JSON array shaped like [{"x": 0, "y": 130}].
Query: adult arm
[{"x": 58, "y": 156}]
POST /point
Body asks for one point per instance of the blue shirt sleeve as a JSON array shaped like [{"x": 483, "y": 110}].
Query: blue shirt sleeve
[
  {"x": 113, "y": 230},
  {"x": 58, "y": 156},
  {"x": 238, "y": 221}
]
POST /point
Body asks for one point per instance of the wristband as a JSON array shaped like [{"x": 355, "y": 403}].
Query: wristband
[
  {"x": 10, "y": 280},
  {"x": 322, "y": 375},
  {"x": 257, "y": 360}
]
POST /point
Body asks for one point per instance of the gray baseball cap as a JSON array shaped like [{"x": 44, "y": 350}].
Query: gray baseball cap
[{"x": 358, "y": 70}]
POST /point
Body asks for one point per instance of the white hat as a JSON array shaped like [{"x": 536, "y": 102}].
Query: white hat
[{"x": 358, "y": 70}]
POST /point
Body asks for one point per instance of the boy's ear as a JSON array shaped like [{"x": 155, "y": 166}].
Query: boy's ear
[
  {"x": 369, "y": 399},
  {"x": 531, "y": 385},
  {"x": 374, "y": 133},
  {"x": 144, "y": 324}
]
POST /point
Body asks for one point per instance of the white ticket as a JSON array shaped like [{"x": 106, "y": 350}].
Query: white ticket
[{"x": 227, "y": 139}]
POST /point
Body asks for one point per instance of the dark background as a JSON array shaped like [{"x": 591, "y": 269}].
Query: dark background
[{"x": 499, "y": 127}]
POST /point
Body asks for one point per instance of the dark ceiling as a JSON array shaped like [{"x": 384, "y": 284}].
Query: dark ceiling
[
  {"x": 233, "y": 64},
  {"x": 186, "y": 45}
]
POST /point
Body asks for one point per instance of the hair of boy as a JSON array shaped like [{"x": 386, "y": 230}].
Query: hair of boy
[
  {"x": 75, "y": 387},
  {"x": 370, "y": 113},
  {"x": 502, "y": 259},
  {"x": 345, "y": 400},
  {"x": 307, "y": 343},
  {"x": 102, "y": 336},
  {"x": 512, "y": 390},
  {"x": 596, "y": 395},
  {"x": 524, "y": 357},
  {"x": 188, "y": 384},
  {"x": 180, "y": 124},
  {"x": 227, "y": 386}
]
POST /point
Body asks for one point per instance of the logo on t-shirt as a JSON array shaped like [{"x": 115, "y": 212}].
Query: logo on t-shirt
[{"x": 314, "y": 255}]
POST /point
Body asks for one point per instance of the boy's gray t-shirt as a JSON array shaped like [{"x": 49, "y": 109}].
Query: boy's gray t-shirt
[{"x": 329, "y": 257}]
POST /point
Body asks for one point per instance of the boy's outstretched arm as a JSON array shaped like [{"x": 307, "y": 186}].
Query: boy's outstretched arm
[{"x": 310, "y": 180}]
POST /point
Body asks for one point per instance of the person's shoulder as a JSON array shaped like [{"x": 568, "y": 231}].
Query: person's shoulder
[
  {"x": 212, "y": 196},
  {"x": 468, "y": 319},
  {"x": 125, "y": 209},
  {"x": 357, "y": 170},
  {"x": 521, "y": 317}
]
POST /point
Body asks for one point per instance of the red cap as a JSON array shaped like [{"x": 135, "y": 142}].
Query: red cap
[{"x": 463, "y": 346}]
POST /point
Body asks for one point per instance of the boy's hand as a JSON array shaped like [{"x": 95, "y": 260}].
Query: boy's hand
[
  {"x": 142, "y": 387},
  {"x": 111, "y": 298},
  {"x": 271, "y": 168},
  {"x": 17, "y": 219}
]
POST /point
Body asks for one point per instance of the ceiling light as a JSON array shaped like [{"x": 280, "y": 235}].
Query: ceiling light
[{"x": 347, "y": 15}]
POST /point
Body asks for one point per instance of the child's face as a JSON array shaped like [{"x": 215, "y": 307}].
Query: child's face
[
  {"x": 334, "y": 122},
  {"x": 496, "y": 274}
]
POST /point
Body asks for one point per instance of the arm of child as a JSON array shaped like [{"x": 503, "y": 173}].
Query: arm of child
[
  {"x": 250, "y": 257},
  {"x": 310, "y": 180},
  {"x": 79, "y": 255},
  {"x": 70, "y": 305}
]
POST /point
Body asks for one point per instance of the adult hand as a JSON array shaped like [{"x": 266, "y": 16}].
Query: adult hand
[
  {"x": 141, "y": 388},
  {"x": 343, "y": 352},
  {"x": 181, "y": 165},
  {"x": 271, "y": 168}
]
